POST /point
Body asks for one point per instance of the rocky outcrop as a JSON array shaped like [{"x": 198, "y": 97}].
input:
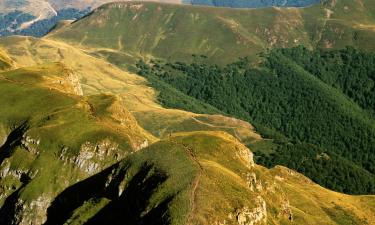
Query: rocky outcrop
[
  {"x": 257, "y": 215},
  {"x": 68, "y": 82},
  {"x": 253, "y": 183},
  {"x": 30, "y": 144},
  {"x": 33, "y": 212},
  {"x": 143, "y": 145},
  {"x": 245, "y": 154},
  {"x": 93, "y": 157},
  {"x": 74, "y": 82}
]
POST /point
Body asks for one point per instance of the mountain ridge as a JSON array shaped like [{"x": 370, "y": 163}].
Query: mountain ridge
[{"x": 231, "y": 33}]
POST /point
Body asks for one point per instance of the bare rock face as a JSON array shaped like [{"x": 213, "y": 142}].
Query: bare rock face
[
  {"x": 68, "y": 83},
  {"x": 143, "y": 145},
  {"x": 257, "y": 215},
  {"x": 93, "y": 157},
  {"x": 246, "y": 155},
  {"x": 32, "y": 212},
  {"x": 76, "y": 85},
  {"x": 254, "y": 183},
  {"x": 4, "y": 168},
  {"x": 30, "y": 144}
]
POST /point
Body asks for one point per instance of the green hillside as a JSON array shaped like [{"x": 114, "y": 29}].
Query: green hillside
[
  {"x": 175, "y": 32},
  {"x": 48, "y": 131}
]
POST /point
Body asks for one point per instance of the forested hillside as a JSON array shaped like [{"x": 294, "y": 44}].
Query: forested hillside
[{"x": 307, "y": 102}]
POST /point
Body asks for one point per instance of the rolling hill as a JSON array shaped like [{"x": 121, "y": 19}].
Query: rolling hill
[
  {"x": 38, "y": 17},
  {"x": 172, "y": 32}
]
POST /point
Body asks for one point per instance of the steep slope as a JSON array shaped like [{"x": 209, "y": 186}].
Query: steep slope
[
  {"x": 97, "y": 76},
  {"x": 5, "y": 61},
  {"x": 150, "y": 30},
  {"x": 52, "y": 137}
]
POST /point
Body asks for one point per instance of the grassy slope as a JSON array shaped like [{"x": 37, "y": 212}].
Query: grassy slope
[
  {"x": 177, "y": 32},
  {"x": 203, "y": 178},
  {"x": 5, "y": 61},
  {"x": 98, "y": 76},
  {"x": 44, "y": 131}
]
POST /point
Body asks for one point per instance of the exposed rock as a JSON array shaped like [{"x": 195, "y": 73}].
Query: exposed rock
[
  {"x": 33, "y": 212},
  {"x": 4, "y": 168},
  {"x": 143, "y": 145},
  {"x": 17, "y": 173},
  {"x": 279, "y": 178},
  {"x": 94, "y": 157},
  {"x": 323, "y": 156},
  {"x": 257, "y": 215},
  {"x": 30, "y": 144},
  {"x": 68, "y": 83},
  {"x": 253, "y": 183},
  {"x": 286, "y": 211},
  {"x": 246, "y": 155},
  {"x": 76, "y": 85}
]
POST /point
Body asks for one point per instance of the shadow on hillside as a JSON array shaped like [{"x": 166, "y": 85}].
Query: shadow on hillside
[
  {"x": 9, "y": 209},
  {"x": 13, "y": 140},
  {"x": 128, "y": 208}
]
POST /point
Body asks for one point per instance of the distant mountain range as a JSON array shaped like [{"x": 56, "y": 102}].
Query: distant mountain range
[{"x": 38, "y": 17}]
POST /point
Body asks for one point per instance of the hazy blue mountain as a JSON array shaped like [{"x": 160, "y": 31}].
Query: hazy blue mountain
[{"x": 12, "y": 23}]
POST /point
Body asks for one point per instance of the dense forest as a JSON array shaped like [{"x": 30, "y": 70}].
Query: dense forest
[
  {"x": 11, "y": 21},
  {"x": 317, "y": 107}
]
